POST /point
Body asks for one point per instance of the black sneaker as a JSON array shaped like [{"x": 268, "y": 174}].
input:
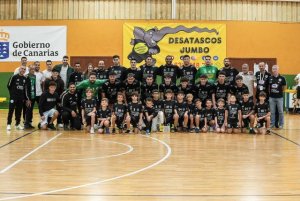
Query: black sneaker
[
  {"x": 251, "y": 131},
  {"x": 184, "y": 129},
  {"x": 113, "y": 131},
  {"x": 39, "y": 125},
  {"x": 127, "y": 131},
  {"x": 51, "y": 127},
  {"x": 66, "y": 127},
  {"x": 268, "y": 132}
]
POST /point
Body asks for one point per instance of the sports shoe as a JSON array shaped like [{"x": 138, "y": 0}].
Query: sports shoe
[
  {"x": 66, "y": 127},
  {"x": 60, "y": 125},
  {"x": 92, "y": 131},
  {"x": 8, "y": 127},
  {"x": 251, "y": 131},
  {"x": 51, "y": 126},
  {"x": 113, "y": 131},
  {"x": 197, "y": 130},
  {"x": 147, "y": 132},
  {"x": 19, "y": 127},
  {"x": 280, "y": 127},
  {"x": 127, "y": 131},
  {"x": 268, "y": 132},
  {"x": 39, "y": 126},
  {"x": 107, "y": 131},
  {"x": 184, "y": 129}
]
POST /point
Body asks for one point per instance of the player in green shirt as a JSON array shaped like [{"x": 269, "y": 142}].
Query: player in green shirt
[
  {"x": 91, "y": 83},
  {"x": 210, "y": 70}
]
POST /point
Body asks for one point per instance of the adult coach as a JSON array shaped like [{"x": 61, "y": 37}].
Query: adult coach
[
  {"x": 23, "y": 64},
  {"x": 209, "y": 70},
  {"x": 65, "y": 70},
  {"x": 277, "y": 85},
  {"x": 230, "y": 72}
]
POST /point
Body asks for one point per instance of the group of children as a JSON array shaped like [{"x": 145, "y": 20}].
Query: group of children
[{"x": 180, "y": 113}]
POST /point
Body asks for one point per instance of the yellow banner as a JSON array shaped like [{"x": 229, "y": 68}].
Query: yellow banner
[{"x": 176, "y": 39}]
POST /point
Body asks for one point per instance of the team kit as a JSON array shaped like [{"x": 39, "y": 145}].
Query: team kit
[{"x": 134, "y": 100}]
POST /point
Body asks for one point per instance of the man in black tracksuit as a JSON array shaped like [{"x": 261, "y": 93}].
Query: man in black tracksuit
[
  {"x": 31, "y": 91},
  {"x": 69, "y": 105},
  {"x": 17, "y": 91}
]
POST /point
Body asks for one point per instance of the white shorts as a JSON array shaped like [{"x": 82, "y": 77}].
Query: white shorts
[{"x": 47, "y": 114}]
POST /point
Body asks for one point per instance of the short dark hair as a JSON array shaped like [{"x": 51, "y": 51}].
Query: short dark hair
[
  {"x": 222, "y": 73},
  {"x": 52, "y": 83},
  {"x": 184, "y": 79},
  {"x": 149, "y": 99},
  {"x": 116, "y": 57},
  {"x": 155, "y": 91},
  {"x": 71, "y": 83},
  {"x": 197, "y": 100},
  {"x": 262, "y": 94},
  {"x": 186, "y": 56},
  {"x": 169, "y": 91},
  {"x": 238, "y": 77},
  {"x": 23, "y": 58},
  {"x": 92, "y": 73},
  {"x": 135, "y": 93},
  {"x": 77, "y": 62},
  {"x": 221, "y": 100},
  {"x": 48, "y": 61},
  {"x": 65, "y": 57},
  {"x": 180, "y": 92},
  {"x": 207, "y": 56}
]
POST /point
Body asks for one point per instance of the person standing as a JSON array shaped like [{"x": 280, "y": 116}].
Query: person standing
[
  {"x": 277, "y": 85},
  {"x": 188, "y": 70},
  {"x": 169, "y": 69},
  {"x": 148, "y": 68},
  {"x": 23, "y": 64},
  {"x": 101, "y": 72},
  {"x": 297, "y": 80},
  {"x": 76, "y": 77},
  {"x": 39, "y": 81},
  {"x": 119, "y": 70},
  {"x": 262, "y": 80},
  {"x": 248, "y": 79},
  {"x": 17, "y": 91},
  {"x": 209, "y": 70},
  {"x": 65, "y": 70},
  {"x": 134, "y": 70},
  {"x": 31, "y": 91},
  {"x": 230, "y": 72},
  {"x": 48, "y": 71}
]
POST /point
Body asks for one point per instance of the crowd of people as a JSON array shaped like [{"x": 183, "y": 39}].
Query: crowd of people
[{"x": 147, "y": 98}]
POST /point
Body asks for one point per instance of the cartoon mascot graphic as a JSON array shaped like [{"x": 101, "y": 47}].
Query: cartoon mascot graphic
[{"x": 146, "y": 42}]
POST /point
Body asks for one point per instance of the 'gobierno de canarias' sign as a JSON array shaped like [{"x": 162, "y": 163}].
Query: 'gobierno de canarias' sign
[{"x": 176, "y": 39}]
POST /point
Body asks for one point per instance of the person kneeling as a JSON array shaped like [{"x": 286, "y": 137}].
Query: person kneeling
[
  {"x": 88, "y": 111},
  {"x": 47, "y": 104},
  {"x": 104, "y": 115}
]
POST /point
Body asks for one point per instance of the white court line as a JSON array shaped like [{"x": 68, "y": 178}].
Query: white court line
[
  {"x": 31, "y": 152},
  {"x": 169, "y": 151},
  {"x": 130, "y": 149}
]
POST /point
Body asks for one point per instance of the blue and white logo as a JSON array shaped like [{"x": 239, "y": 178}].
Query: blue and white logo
[{"x": 4, "y": 45}]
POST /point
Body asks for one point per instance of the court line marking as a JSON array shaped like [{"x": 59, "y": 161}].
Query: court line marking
[
  {"x": 26, "y": 134},
  {"x": 166, "y": 156},
  {"x": 285, "y": 138},
  {"x": 28, "y": 154},
  {"x": 130, "y": 149}
]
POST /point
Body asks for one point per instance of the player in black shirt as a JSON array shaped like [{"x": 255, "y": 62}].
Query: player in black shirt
[
  {"x": 103, "y": 116},
  {"x": 247, "y": 114},
  {"x": 47, "y": 104},
  {"x": 101, "y": 72},
  {"x": 138, "y": 74},
  {"x": 200, "y": 120},
  {"x": 169, "y": 69},
  {"x": 220, "y": 116},
  {"x": 210, "y": 114},
  {"x": 239, "y": 88},
  {"x": 262, "y": 80},
  {"x": 135, "y": 110},
  {"x": 222, "y": 90},
  {"x": 182, "y": 111},
  {"x": 233, "y": 116},
  {"x": 185, "y": 86},
  {"x": 191, "y": 108},
  {"x": 149, "y": 69},
  {"x": 188, "y": 70},
  {"x": 110, "y": 88},
  {"x": 167, "y": 84},
  {"x": 131, "y": 85},
  {"x": 119, "y": 70},
  {"x": 262, "y": 113},
  {"x": 17, "y": 91},
  {"x": 204, "y": 90},
  {"x": 148, "y": 87},
  {"x": 149, "y": 114},
  {"x": 170, "y": 113},
  {"x": 230, "y": 72},
  {"x": 157, "y": 122},
  {"x": 120, "y": 114},
  {"x": 88, "y": 111},
  {"x": 76, "y": 77},
  {"x": 69, "y": 104}
]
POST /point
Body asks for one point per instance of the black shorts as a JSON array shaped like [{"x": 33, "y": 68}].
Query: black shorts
[
  {"x": 181, "y": 120},
  {"x": 88, "y": 120},
  {"x": 261, "y": 123},
  {"x": 134, "y": 121},
  {"x": 169, "y": 120},
  {"x": 232, "y": 124},
  {"x": 246, "y": 123},
  {"x": 120, "y": 121},
  {"x": 298, "y": 92},
  {"x": 220, "y": 125}
]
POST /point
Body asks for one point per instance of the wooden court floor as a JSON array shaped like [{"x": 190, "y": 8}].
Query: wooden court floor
[{"x": 59, "y": 165}]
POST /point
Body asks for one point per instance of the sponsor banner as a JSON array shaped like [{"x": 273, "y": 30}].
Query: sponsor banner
[
  {"x": 37, "y": 43},
  {"x": 176, "y": 39}
]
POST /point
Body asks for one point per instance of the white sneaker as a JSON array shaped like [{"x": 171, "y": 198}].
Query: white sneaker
[
  {"x": 19, "y": 127},
  {"x": 8, "y": 127},
  {"x": 60, "y": 125},
  {"x": 92, "y": 131}
]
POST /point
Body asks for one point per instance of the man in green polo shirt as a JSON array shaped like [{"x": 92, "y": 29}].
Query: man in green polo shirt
[{"x": 209, "y": 70}]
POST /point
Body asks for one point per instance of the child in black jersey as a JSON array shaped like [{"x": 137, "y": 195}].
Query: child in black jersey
[
  {"x": 185, "y": 86},
  {"x": 88, "y": 111},
  {"x": 170, "y": 113},
  {"x": 247, "y": 113},
  {"x": 135, "y": 110},
  {"x": 210, "y": 114},
  {"x": 200, "y": 120},
  {"x": 191, "y": 107},
  {"x": 182, "y": 111},
  {"x": 233, "y": 116},
  {"x": 149, "y": 114},
  {"x": 103, "y": 116},
  {"x": 120, "y": 114},
  {"x": 220, "y": 116},
  {"x": 262, "y": 113},
  {"x": 157, "y": 122}
]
